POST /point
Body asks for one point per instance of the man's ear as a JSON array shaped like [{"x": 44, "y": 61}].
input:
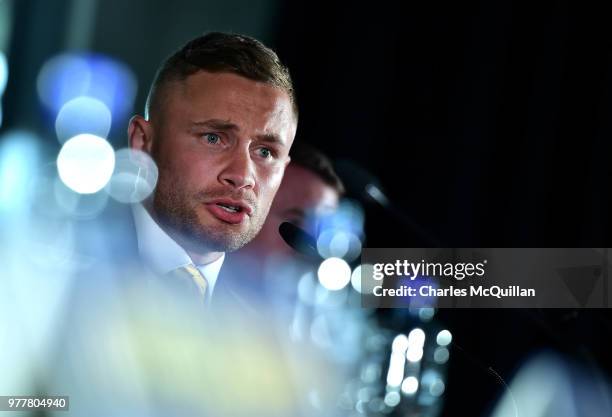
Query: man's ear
[{"x": 140, "y": 134}]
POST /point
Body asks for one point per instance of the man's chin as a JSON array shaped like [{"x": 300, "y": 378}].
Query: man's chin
[
  {"x": 221, "y": 236},
  {"x": 220, "y": 240}
]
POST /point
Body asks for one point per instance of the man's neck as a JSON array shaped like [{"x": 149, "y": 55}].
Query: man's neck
[
  {"x": 204, "y": 258},
  {"x": 198, "y": 257}
]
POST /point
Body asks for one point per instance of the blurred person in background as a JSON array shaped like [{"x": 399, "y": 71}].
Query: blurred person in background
[{"x": 310, "y": 189}]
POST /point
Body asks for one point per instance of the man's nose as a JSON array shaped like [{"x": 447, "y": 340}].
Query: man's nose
[{"x": 238, "y": 172}]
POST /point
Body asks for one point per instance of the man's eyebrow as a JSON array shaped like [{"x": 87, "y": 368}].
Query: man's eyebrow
[
  {"x": 271, "y": 138},
  {"x": 217, "y": 124}
]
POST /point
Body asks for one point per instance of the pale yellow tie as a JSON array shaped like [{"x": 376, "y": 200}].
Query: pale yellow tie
[{"x": 193, "y": 278}]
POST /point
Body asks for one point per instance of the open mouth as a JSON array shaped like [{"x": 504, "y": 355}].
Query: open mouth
[
  {"x": 229, "y": 211},
  {"x": 230, "y": 208}
]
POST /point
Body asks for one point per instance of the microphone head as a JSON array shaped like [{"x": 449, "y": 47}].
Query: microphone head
[
  {"x": 300, "y": 240},
  {"x": 360, "y": 182}
]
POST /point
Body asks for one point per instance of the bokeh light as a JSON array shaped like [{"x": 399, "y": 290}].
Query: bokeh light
[
  {"x": 432, "y": 382},
  {"x": 437, "y": 387},
  {"x": 85, "y": 163},
  {"x": 392, "y": 399},
  {"x": 410, "y": 385},
  {"x": 416, "y": 337},
  {"x": 426, "y": 314},
  {"x": 370, "y": 372},
  {"x": 376, "y": 193},
  {"x": 76, "y": 205},
  {"x": 4, "y": 72},
  {"x": 19, "y": 156},
  {"x": 416, "y": 340},
  {"x": 356, "y": 279},
  {"x": 307, "y": 286},
  {"x": 339, "y": 243},
  {"x": 134, "y": 178},
  {"x": 348, "y": 216},
  {"x": 70, "y": 75},
  {"x": 63, "y": 78},
  {"x": 320, "y": 332},
  {"x": 83, "y": 115},
  {"x": 53, "y": 201},
  {"x": 400, "y": 344},
  {"x": 334, "y": 274},
  {"x": 441, "y": 355},
  {"x": 444, "y": 338},
  {"x": 340, "y": 232},
  {"x": 362, "y": 279},
  {"x": 414, "y": 354},
  {"x": 395, "y": 375},
  {"x": 325, "y": 298}
]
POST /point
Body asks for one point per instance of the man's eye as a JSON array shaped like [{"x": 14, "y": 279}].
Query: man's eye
[
  {"x": 212, "y": 138},
  {"x": 265, "y": 152}
]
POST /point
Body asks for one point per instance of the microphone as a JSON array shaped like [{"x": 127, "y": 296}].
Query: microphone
[
  {"x": 362, "y": 183},
  {"x": 300, "y": 240}
]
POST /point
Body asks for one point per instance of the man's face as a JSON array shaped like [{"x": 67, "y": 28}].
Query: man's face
[
  {"x": 221, "y": 143},
  {"x": 302, "y": 195}
]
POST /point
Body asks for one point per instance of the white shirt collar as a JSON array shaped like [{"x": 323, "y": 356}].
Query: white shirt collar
[{"x": 162, "y": 254}]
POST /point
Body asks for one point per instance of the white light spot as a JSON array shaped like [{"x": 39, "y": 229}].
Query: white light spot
[
  {"x": 83, "y": 115},
  {"x": 396, "y": 369},
  {"x": 85, "y": 163},
  {"x": 410, "y": 385},
  {"x": 362, "y": 280},
  {"x": 334, "y": 274},
  {"x": 416, "y": 338},
  {"x": 444, "y": 338},
  {"x": 414, "y": 354},
  {"x": 134, "y": 178},
  {"x": 400, "y": 344},
  {"x": 356, "y": 279}
]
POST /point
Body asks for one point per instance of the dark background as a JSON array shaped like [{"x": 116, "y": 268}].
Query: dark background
[
  {"x": 489, "y": 129},
  {"x": 488, "y": 124}
]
